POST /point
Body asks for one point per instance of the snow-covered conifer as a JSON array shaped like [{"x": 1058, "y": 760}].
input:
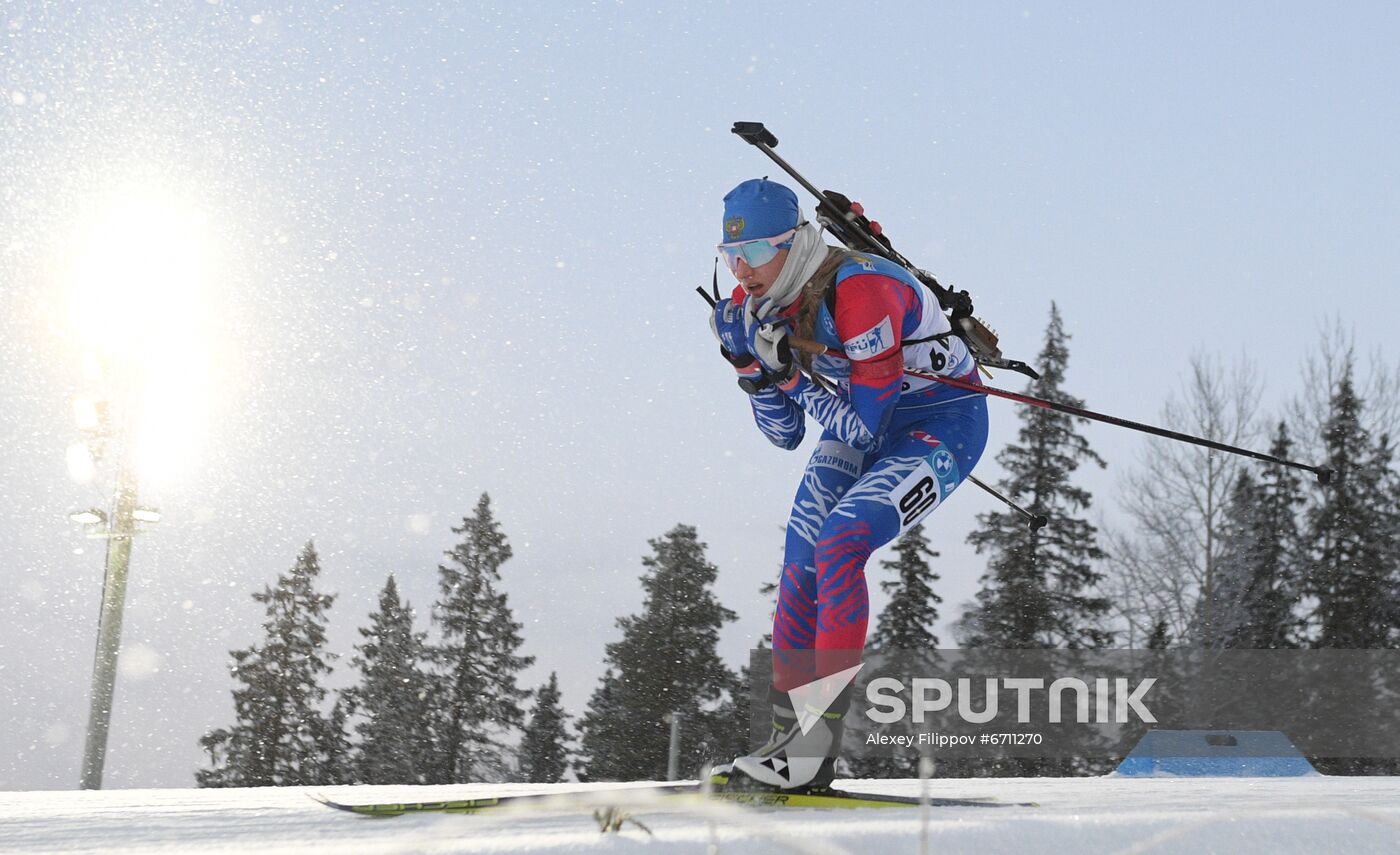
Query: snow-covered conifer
[
  {"x": 544, "y": 752},
  {"x": 477, "y": 699},
  {"x": 1038, "y": 590},
  {"x": 666, "y": 661},
  {"x": 279, "y": 736},
  {"x": 392, "y": 701}
]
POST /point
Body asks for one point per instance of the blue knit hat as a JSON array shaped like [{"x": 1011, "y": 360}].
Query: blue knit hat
[{"x": 758, "y": 208}]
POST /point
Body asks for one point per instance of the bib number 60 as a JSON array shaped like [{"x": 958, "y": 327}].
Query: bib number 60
[{"x": 916, "y": 495}]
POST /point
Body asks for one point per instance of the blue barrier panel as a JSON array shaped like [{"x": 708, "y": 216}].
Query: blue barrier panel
[{"x": 1215, "y": 753}]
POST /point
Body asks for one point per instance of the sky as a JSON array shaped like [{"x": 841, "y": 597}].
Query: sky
[{"x": 446, "y": 249}]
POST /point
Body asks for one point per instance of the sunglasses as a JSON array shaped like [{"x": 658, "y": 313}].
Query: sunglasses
[{"x": 755, "y": 253}]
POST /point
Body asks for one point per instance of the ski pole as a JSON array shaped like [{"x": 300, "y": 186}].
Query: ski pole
[
  {"x": 1035, "y": 521},
  {"x": 1324, "y": 474}
]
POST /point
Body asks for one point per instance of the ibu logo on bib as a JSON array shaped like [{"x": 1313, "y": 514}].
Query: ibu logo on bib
[{"x": 872, "y": 342}]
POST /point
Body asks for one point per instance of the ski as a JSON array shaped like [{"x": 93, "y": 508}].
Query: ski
[
  {"x": 832, "y": 798},
  {"x": 580, "y": 798},
  {"x": 827, "y": 798}
]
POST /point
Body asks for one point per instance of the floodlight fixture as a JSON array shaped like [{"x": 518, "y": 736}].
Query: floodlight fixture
[
  {"x": 146, "y": 515},
  {"x": 90, "y": 516}
]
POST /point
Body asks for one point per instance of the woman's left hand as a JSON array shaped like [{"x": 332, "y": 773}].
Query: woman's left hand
[{"x": 768, "y": 337}]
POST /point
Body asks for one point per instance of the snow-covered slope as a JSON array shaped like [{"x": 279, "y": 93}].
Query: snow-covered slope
[{"x": 1314, "y": 815}]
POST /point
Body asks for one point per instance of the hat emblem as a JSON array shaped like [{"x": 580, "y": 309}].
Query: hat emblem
[{"x": 734, "y": 226}]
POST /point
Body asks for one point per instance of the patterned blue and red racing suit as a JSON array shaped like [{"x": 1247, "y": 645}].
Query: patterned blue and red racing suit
[{"x": 893, "y": 449}]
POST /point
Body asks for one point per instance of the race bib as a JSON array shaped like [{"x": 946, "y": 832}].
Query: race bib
[{"x": 923, "y": 489}]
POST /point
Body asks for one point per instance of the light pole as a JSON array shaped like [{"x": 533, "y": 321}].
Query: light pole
[
  {"x": 137, "y": 274},
  {"x": 673, "y": 748},
  {"x": 118, "y": 528}
]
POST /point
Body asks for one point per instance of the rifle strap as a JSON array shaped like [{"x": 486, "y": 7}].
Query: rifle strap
[{"x": 825, "y": 279}]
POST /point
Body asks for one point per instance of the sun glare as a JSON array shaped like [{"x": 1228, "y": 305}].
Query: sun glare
[{"x": 141, "y": 273}]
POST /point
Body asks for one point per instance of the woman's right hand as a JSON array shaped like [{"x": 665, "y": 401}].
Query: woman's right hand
[{"x": 727, "y": 323}]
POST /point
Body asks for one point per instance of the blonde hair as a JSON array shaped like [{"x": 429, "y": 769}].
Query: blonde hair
[{"x": 809, "y": 307}]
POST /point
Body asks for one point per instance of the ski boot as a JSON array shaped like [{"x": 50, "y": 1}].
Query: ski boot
[{"x": 793, "y": 759}]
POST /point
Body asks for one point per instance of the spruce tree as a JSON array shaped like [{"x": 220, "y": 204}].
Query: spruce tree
[
  {"x": 666, "y": 661},
  {"x": 1276, "y": 571},
  {"x": 544, "y": 752},
  {"x": 1353, "y": 563},
  {"x": 1353, "y": 568},
  {"x": 734, "y": 723},
  {"x": 1160, "y": 638},
  {"x": 1259, "y": 572},
  {"x": 733, "y": 738},
  {"x": 731, "y": 729},
  {"x": 604, "y": 738},
  {"x": 906, "y": 644},
  {"x": 334, "y": 755},
  {"x": 1219, "y": 611},
  {"x": 906, "y": 623},
  {"x": 393, "y": 700},
  {"x": 478, "y": 659},
  {"x": 1037, "y": 591},
  {"x": 280, "y": 737}
]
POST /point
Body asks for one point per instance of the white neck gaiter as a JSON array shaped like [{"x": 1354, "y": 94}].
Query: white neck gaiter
[{"x": 807, "y": 254}]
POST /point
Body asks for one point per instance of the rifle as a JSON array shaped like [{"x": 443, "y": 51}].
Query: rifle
[{"x": 847, "y": 222}]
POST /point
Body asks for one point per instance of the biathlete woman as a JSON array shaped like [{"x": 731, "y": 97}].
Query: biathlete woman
[{"x": 892, "y": 447}]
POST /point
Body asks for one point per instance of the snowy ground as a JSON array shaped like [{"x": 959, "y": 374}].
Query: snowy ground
[{"x": 1351, "y": 815}]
